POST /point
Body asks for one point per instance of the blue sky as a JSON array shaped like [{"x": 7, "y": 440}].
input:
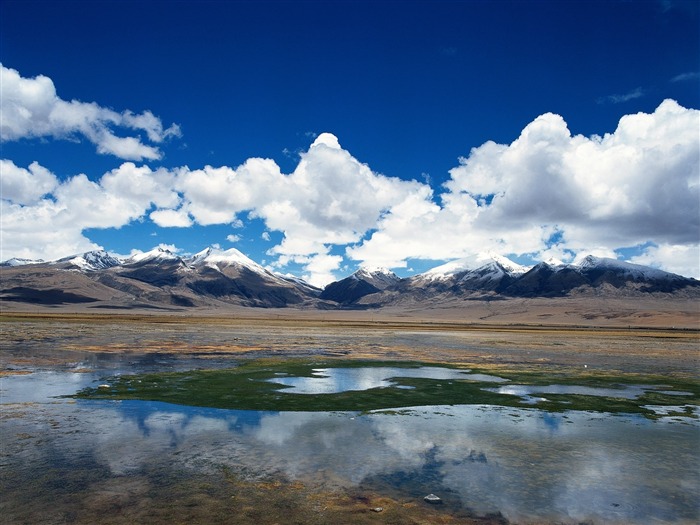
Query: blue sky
[{"x": 457, "y": 127}]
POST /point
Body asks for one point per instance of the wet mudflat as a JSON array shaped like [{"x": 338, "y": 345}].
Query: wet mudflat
[{"x": 67, "y": 460}]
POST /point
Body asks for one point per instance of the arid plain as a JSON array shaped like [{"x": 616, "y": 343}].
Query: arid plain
[{"x": 623, "y": 333}]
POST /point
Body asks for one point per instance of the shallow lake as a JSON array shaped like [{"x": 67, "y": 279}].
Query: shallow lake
[{"x": 524, "y": 463}]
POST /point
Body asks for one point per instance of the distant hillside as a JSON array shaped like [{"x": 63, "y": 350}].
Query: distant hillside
[{"x": 213, "y": 278}]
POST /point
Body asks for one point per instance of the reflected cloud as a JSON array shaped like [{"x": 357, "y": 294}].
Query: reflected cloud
[
  {"x": 527, "y": 464},
  {"x": 335, "y": 380}
]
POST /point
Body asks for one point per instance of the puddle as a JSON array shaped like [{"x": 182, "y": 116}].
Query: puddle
[
  {"x": 39, "y": 386},
  {"x": 528, "y": 392},
  {"x": 337, "y": 380}
]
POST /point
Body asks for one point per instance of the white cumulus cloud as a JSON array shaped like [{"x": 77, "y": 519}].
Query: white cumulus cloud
[
  {"x": 549, "y": 193},
  {"x": 636, "y": 185},
  {"x": 48, "y": 222},
  {"x": 25, "y": 186},
  {"x": 171, "y": 218},
  {"x": 31, "y": 108},
  {"x": 330, "y": 199},
  {"x": 683, "y": 259}
]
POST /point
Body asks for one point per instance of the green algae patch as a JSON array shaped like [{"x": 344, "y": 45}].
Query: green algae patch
[{"x": 251, "y": 386}]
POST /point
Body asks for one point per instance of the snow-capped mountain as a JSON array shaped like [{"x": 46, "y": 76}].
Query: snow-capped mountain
[
  {"x": 481, "y": 263},
  {"x": 229, "y": 273},
  {"x": 481, "y": 272},
  {"x": 364, "y": 281},
  {"x": 634, "y": 271},
  {"x": 216, "y": 258},
  {"x": 555, "y": 278},
  {"x": 554, "y": 262},
  {"x": 378, "y": 277},
  {"x": 158, "y": 267},
  {"x": 18, "y": 261},
  {"x": 91, "y": 261},
  {"x": 232, "y": 262},
  {"x": 155, "y": 255},
  {"x": 214, "y": 277}
]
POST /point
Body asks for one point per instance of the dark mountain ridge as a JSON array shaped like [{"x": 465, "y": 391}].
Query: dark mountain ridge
[
  {"x": 361, "y": 283},
  {"x": 214, "y": 278}
]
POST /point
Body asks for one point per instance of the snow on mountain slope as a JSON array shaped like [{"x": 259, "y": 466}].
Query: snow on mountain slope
[
  {"x": 511, "y": 267},
  {"x": 18, "y": 261},
  {"x": 596, "y": 275},
  {"x": 365, "y": 281},
  {"x": 300, "y": 283},
  {"x": 636, "y": 271},
  {"x": 554, "y": 263},
  {"x": 216, "y": 258},
  {"x": 160, "y": 278},
  {"x": 592, "y": 264},
  {"x": 155, "y": 255},
  {"x": 93, "y": 261},
  {"x": 378, "y": 277},
  {"x": 225, "y": 273},
  {"x": 496, "y": 263}
]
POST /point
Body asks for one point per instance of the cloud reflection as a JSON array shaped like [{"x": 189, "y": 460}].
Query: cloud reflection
[{"x": 526, "y": 464}]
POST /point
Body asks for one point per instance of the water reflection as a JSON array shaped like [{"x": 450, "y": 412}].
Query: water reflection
[
  {"x": 528, "y": 464},
  {"x": 40, "y": 386},
  {"x": 526, "y": 392},
  {"x": 336, "y": 380}
]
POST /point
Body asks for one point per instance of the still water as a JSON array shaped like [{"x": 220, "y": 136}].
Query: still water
[
  {"x": 526, "y": 464},
  {"x": 336, "y": 380}
]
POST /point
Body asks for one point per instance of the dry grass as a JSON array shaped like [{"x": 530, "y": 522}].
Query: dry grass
[
  {"x": 637, "y": 349},
  {"x": 643, "y": 311}
]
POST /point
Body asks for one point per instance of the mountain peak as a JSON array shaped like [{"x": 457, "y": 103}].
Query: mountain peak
[
  {"x": 554, "y": 262},
  {"x": 202, "y": 255},
  {"x": 373, "y": 270},
  {"x": 377, "y": 276},
  {"x": 93, "y": 260},
  {"x": 511, "y": 267},
  {"x": 19, "y": 261},
  {"x": 471, "y": 263},
  {"x": 591, "y": 262},
  {"x": 217, "y": 257},
  {"x": 156, "y": 254}
]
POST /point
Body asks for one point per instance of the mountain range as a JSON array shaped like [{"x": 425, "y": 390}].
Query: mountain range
[{"x": 214, "y": 278}]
